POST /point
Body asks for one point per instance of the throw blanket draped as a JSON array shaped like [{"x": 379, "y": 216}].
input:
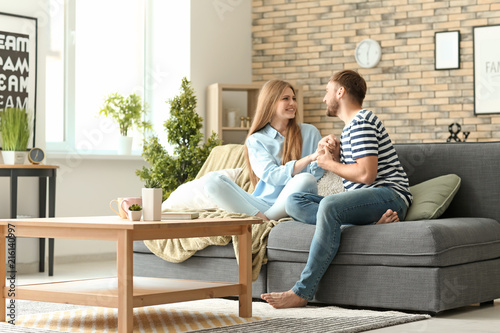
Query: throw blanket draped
[{"x": 178, "y": 250}]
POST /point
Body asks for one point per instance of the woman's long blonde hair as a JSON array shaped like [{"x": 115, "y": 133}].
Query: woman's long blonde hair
[{"x": 269, "y": 97}]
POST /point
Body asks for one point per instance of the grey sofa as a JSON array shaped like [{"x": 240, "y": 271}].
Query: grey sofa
[{"x": 423, "y": 266}]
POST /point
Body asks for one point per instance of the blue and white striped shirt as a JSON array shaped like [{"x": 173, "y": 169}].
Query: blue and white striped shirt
[{"x": 364, "y": 136}]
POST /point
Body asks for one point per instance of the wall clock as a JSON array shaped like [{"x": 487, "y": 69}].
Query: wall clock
[
  {"x": 36, "y": 155},
  {"x": 368, "y": 53}
]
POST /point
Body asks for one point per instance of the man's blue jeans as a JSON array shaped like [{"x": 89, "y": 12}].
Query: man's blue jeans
[{"x": 357, "y": 207}]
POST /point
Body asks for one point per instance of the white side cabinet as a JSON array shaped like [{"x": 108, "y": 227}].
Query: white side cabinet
[{"x": 231, "y": 108}]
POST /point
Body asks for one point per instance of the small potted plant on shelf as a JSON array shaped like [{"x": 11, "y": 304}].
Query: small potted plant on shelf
[
  {"x": 151, "y": 200},
  {"x": 134, "y": 212},
  {"x": 15, "y": 132},
  {"x": 128, "y": 113}
]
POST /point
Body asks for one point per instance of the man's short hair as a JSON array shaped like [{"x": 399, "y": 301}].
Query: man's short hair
[{"x": 353, "y": 83}]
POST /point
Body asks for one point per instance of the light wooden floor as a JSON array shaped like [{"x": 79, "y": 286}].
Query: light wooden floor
[{"x": 471, "y": 319}]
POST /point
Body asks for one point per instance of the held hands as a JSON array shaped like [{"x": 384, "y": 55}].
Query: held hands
[
  {"x": 332, "y": 144},
  {"x": 324, "y": 158}
]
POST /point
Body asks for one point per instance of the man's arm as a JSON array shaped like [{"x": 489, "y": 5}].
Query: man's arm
[{"x": 363, "y": 171}]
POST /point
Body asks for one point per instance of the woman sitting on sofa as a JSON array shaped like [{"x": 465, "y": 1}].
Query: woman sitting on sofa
[{"x": 281, "y": 157}]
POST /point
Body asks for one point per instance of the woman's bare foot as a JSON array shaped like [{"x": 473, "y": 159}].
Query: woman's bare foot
[
  {"x": 262, "y": 216},
  {"x": 287, "y": 299},
  {"x": 389, "y": 217}
]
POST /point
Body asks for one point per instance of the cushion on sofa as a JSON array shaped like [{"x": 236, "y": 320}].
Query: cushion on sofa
[
  {"x": 191, "y": 195},
  {"x": 433, "y": 243},
  {"x": 432, "y": 197}
]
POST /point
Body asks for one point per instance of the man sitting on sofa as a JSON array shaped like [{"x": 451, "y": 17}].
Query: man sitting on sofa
[{"x": 374, "y": 180}]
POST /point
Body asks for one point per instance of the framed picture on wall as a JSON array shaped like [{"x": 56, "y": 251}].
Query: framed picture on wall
[
  {"x": 18, "y": 62},
  {"x": 447, "y": 50},
  {"x": 486, "y": 69}
]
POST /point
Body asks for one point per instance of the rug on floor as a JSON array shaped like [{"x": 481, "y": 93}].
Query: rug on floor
[{"x": 214, "y": 315}]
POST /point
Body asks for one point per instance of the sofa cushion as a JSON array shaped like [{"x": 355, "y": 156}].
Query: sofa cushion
[
  {"x": 435, "y": 243},
  {"x": 432, "y": 197},
  {"x": 191, "y": 195}
]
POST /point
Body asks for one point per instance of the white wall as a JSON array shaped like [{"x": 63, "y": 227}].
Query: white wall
[
  {"x": 221, "y": 44},
  {"x": 220, "y": 52}
]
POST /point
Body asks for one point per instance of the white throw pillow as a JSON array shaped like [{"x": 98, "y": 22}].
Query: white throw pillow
[
  {"x": 330, "y": 183},
  {"x": 191, "y": 195}
]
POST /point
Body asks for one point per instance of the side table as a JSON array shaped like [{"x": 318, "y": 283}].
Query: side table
[{"x": 42, "y": 172}]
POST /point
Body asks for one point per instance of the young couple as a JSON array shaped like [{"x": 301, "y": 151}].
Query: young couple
[{"x": 286, "y": 159}]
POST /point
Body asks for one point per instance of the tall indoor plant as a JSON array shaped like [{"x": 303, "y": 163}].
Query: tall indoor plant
[
  {"x": 184, "y": 135},
  {"x": 127, "y": 112},
  {"x": 15, "y": 130}
]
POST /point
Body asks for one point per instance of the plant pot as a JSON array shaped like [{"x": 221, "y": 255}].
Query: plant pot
[
  {"x": 151, "y": 204},
  {"x": 14, "y": 157},
  {"x": 134, "y": 215},
  {"x": 125, "y": 145}
]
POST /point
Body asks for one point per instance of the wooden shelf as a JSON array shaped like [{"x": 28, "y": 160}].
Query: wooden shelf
[
  {"x": 216, "y": 109},
  {"x": 104, "y": 292}
]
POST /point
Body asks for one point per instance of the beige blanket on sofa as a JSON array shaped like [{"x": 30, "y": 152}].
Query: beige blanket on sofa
[{"x": 178, "y": 250}]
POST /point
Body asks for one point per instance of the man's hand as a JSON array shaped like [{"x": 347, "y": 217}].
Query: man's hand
[
  {"x": 324, "y": 158},
  {"x": 331, "y": 143}
]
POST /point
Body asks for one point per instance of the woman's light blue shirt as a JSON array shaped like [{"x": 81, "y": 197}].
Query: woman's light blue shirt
[{"x": 265, "y": 148}]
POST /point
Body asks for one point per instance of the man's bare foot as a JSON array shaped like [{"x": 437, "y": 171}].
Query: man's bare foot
[
  {"x": 389, "y": 217},
  {"x": 287, "y": 299}
]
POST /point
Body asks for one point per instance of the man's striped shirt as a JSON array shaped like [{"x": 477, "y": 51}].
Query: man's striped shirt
[{"x": 364, "y": 136}]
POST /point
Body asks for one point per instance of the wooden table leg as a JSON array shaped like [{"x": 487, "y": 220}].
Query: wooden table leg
[
  {"x": 125, "y": 282},
  {"x": 245, "y": 271}
]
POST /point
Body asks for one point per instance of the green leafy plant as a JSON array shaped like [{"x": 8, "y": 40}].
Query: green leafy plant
[
  {"x": 184, "y": 135},
  {"x": 135, "y": 208},
  {"x": 151, "y": 183},
  {"x": 126, "y": 112},
  {"x": 15, "y": 129}
]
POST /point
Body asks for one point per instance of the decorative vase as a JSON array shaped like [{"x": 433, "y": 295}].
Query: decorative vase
[
  {"x": 125, "y": 145},
  {"x": 14, "y": 157},
  {"x": 151, "y": 204},
  {"x": 134, "y": 215}
]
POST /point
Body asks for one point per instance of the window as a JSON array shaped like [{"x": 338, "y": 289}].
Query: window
[{"x": 102, "y": 47}]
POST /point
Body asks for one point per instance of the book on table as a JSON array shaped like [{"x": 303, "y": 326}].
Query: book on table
[{"x": 179, "y": 215}]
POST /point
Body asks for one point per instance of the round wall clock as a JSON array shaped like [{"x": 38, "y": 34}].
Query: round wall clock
[
  {"x": 36, "y": 155},
  {"x": 368, "y": 53}
]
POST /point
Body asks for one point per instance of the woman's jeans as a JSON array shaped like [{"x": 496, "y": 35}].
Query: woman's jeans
[
  {"x": 356, "y": 207},
  {"x": 232, "y": 198}
]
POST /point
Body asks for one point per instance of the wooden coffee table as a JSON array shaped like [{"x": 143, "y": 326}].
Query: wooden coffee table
[{"x": 125, "y": 291}]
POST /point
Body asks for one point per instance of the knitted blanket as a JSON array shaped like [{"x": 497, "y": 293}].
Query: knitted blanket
[{"x": 179, "y": 250}]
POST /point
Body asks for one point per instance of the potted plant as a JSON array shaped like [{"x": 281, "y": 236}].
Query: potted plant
[
  {"x": 15, "y": 132},
  {"x": 134, "y": 212},
  {"x": 128, "y": 113},
  {"x": 185, "y": 137},
  {"x": 151, "y": 200}
]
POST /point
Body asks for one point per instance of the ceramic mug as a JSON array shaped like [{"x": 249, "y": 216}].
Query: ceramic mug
[{"x": 123, "y": 205}]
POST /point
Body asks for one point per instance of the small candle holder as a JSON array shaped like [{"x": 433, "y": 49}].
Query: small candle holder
[
  {"x": 243, "y": 122},
  {"x": 248, "y": 122}
]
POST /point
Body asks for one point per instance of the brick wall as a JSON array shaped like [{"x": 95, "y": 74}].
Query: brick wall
[{"x": 305, "y": 41}]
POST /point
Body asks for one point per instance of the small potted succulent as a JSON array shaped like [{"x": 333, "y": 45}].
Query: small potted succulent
[
  {"x": 151, "y": 200},
  {"x": 134, "y": 212}
]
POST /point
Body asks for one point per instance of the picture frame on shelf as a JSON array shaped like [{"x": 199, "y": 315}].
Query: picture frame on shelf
[
  {"x": 486, "y": 50},
  {"x": 447, "y": 50},
  {"x": 18, "y": 72}
]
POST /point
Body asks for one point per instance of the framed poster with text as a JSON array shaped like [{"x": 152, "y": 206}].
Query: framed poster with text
[
  {"x": 487, "y": 69},
  {"x": 18, "y": 61}
]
